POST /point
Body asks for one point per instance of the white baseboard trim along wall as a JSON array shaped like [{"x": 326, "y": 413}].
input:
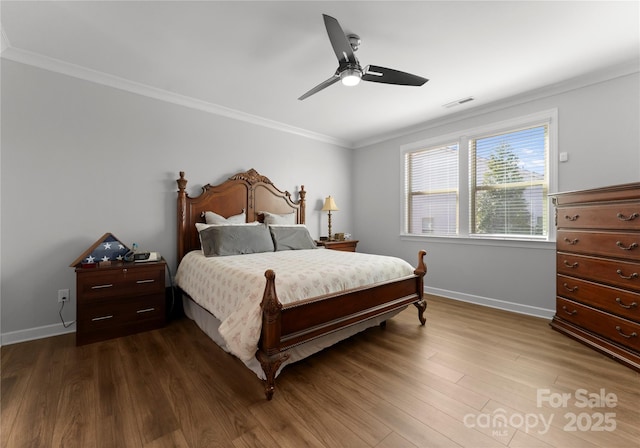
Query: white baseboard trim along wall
[
  {"x": 30, "y": 334},
  {"x": 491, "y": 303},
  {"x": 46, "y": 331}
]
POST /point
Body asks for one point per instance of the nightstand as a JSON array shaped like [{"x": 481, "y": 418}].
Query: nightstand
[
  {"x": 119, "y": 299},
  {"x": 345, "y": 245}
]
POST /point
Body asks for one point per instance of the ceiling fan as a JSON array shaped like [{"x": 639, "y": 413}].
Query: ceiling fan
[{"x": 349, "y": 70}]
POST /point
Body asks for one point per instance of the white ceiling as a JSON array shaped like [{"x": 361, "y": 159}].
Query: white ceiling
[{"x": 252, "y": 60}]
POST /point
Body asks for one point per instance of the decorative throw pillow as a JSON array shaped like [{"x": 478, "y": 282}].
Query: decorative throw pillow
[
  {"x": 275, "y": 218},
  {"x": 214, "y": 218},
  {"x": 235, "y": 240},
  {"x": 200, "y": 226},
  {"x": 294, "y": 237}
]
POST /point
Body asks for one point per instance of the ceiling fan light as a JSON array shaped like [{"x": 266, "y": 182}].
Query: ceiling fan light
[{"x": 350, "y": 77}]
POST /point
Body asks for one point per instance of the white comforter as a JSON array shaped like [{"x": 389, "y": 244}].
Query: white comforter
[{"x": 231, "y": 287}]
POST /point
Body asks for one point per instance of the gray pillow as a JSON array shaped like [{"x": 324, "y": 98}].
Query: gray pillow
[
  {"x": 235, "y": 240},
  {"x": 291, "y": 238}
]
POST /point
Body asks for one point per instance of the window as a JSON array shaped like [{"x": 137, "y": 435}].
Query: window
[
  {"x": 484, "y": 183},
  {"x": 432, "y": 190},
  {"x": 509, "y": 184}
]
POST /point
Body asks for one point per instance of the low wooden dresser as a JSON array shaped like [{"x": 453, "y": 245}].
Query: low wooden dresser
[
  {"x": 598, "y": 269},
  {"x": 119, "y": 299}
]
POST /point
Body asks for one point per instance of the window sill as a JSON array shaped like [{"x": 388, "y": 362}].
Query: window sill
[{"x": 474, "y": 241}]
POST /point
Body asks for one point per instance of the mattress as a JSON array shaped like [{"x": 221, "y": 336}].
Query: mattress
[{"x": 231, "y": 288}]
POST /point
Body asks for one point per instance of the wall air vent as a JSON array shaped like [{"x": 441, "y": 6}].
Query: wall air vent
[{"x": 458, "y": 102}]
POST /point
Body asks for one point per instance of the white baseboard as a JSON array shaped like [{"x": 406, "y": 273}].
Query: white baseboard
[
  {"x": 46, "y": 331},
  {"x": 492, "y": 303},
  {"x": 30, "y": 334}
]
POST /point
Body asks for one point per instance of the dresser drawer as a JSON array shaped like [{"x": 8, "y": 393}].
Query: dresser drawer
[
  {"x": 121, "y": 311},
  {"x": 103, "y": 319},
  {"x": 617, "y": 301},
  {"x": 624, "y": 274},
  {"x": 611, "y": 244},
  {"x": 617, "y": 329},
  {"x": 622, "y": 216},
  {"x": 120, "y": 282}
]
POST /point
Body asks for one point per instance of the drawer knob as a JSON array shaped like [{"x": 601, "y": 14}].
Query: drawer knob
[
  {"x": 572, "y": 242},
  {"x": 144, "y": 281},
  {"x": 570, "y": 265},
  {"x": 631, "y": 217},
  {"x": 572, "y": 218},
  {"x": 569, "y": 288},
  {"x": 622, "y": 246},
  {"x": 102, "y": 286},
  {"x": 628, "y": 336},
  {"x": 619, "y": 302},
  {"x": 102, "y": 318},
  {"x": 630, "y": 277},
  {"x": 570, "y": 313}
]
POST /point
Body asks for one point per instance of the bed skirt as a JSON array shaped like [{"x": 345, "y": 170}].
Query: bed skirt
[{"x": 208, "y": 323}]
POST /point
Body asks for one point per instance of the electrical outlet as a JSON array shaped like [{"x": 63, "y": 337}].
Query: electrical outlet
[{"x": 63, "y": 295}]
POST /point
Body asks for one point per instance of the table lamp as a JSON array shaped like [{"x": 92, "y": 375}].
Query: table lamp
[{"x": 330, "y": 206}]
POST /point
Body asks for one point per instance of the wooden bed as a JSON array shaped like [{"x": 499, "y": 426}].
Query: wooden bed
[{"x": 286, "y": 326}]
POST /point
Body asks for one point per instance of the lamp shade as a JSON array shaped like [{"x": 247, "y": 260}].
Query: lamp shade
[{"x": 330, "y": 205}]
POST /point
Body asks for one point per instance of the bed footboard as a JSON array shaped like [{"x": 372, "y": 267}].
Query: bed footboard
[{"x": 284, "y": 327}]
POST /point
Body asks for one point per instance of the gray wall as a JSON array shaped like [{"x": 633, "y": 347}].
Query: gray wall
[
  {"x": 80, "y": 159},
  {"x": 598, "y": 126}
]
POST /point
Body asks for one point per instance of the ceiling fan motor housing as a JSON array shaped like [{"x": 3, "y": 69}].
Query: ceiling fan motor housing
[{"x": 354, "y": 41}]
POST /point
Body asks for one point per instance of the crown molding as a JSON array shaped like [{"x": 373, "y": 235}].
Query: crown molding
[
  {"x": 608, "y": 74},
  {"x": 97, "y": 77},
  {"x": 94, "y": 76}
]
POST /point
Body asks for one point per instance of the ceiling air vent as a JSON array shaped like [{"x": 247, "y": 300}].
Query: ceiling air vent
[{"x": 458, "y": 102}]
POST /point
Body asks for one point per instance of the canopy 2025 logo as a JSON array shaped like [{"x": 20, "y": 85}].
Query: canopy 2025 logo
[
  {"x": 589, "y": 420},
  {"x": 593, "y": 418}
]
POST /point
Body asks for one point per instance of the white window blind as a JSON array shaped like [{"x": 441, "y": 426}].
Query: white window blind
[
  {"x": 431, "y": 190},
  {"x": 509, "y": 182}
]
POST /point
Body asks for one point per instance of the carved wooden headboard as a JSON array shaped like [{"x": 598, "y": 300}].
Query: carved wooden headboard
[{"x": 249, "y": 191}]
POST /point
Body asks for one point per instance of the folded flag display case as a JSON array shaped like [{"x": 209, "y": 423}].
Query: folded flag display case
[{"x": 106, "y": 249}]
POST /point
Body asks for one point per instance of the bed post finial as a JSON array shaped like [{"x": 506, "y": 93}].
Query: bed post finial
[
  {"x": 271, "y": 308},
  {"x": 421, "y": 269},
  {"x": 182, "y": 182}
]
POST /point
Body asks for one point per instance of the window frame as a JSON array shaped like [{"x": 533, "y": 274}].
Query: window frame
[{"x": 463, "y": 138}]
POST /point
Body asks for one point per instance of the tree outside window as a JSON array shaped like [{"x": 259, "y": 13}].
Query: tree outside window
[{"x": 510, "y": 190}]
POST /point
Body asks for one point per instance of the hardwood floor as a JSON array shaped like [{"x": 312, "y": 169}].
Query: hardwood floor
[{"x": 445, "y": 384}]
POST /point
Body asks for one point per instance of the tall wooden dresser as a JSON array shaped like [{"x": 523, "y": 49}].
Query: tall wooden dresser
[{"x": 598, "y": 270}]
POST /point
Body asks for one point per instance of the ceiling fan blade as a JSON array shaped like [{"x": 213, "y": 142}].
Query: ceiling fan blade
[
  {"x": 319, "y": 87},
  {"x": 384, "y": 75},
  {"x": 339, "y": 41}
]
